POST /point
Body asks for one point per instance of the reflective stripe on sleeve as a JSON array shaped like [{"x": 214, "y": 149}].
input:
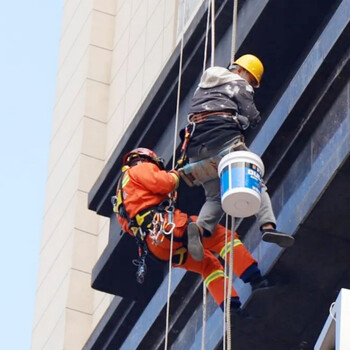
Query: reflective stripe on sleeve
[{"x": 176, "y": 179}]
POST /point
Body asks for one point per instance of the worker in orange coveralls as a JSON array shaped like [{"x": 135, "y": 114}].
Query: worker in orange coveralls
[{"x": 145, "y": 211}]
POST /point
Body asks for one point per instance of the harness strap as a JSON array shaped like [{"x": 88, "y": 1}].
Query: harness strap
[
  {"x": 196, "y": 173},
  {"x": 201, "y": 117},
  {"x": 198, "y": 118},
  {"x": 147, "y": 221},
  {"x": 189, "y": 130},
  {"x": 143, "y": 219}
]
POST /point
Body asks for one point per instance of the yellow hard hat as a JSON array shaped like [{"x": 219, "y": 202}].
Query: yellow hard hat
[{"x": 253, "y": 65}]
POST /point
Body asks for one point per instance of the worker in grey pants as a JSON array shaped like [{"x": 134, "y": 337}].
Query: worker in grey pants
[{"x": 222, "y": 109}]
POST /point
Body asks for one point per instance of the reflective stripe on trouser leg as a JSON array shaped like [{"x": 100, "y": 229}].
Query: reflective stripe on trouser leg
[
  {"x": 215, "y": 283},
  {"x": 227, "y": 248},
  {"x": 242, "y": 259},
  {"x": 212, "y": 272}
]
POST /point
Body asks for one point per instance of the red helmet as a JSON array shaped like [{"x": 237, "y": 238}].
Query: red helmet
[{"x": 143, "y": 154}]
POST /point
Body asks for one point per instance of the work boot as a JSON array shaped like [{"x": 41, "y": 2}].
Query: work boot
[
  {"x": 194, "y": 244},
  {"x": 273, "y": 236}
]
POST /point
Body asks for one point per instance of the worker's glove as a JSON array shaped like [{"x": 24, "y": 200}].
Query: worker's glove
[{"x": 176, "y": 176}]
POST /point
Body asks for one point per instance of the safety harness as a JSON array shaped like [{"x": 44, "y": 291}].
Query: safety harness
[
  {"x": 196, "y": 173},
  {"x": 194, "y": 119},
  {"x": 155, "y": 222}
]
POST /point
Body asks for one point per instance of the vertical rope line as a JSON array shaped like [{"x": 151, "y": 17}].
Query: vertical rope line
[
  {"x": 179, "y": 86},
  {"x": 168, "y": 295},
  {"x": 213, "y": 33},
  {"x": 234, "y": 30},
  {"x": 233, "y": 51},
  {"x": 204, "y": 318},
  {"x": 211, "y": 5},
  {"x": 229, "y": 295},
  {"x": 206, "y": 38},
  {"x": 173, "y": 166},
  {"x": 225, "y": 287}
]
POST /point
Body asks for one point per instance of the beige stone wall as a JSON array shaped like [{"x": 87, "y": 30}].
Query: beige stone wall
[
  {"x": 111, "y": 52},
  {"x": 144, "y": 38}
]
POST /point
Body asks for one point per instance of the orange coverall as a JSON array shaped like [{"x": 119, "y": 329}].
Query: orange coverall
[{"x": 144, "y": 185}]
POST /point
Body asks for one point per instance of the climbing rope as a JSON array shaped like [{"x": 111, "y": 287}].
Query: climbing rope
[
  {"x": 234, "y": 30},
  {"x": 178, "y": 89},
  {"x": 211, "y": 15},
  {"x": 173, "y": 167},
  {"x": 225, "y": 287},
  {"x": 168, "y": 294},
  {"x": 227, "y": 304},
  {"x": 213, "y": 33},
  {"x": 206, "y": 38},
  {"x": 230, "y": 281},
  {"x": 204, "y": 318},
  {"x": 331, "y": 312},
  {"x": 227, "y": 309}
]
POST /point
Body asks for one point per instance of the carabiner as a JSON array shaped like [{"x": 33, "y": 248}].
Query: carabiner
[{"x": 170, "y": 230}]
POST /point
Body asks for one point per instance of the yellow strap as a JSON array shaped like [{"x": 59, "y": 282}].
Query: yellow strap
[
  {"x": 141, "y": 218},
  {"x": 126, "y": 179},
  {"x": 119, "y": 201},
  {"x": 135, "y": 230},
  {"x": 181, "y": 253}
]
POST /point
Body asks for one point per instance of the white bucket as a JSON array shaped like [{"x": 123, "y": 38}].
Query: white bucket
[{"x": 241, "y": 174}]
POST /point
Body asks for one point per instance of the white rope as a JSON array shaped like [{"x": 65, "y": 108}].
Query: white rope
[
  {"x": 228, "y": 304},
  {"x": 230, "y": 281},
  {"x": 211, "y": 15},
  {"x": 168, "y": 295},
  {"x": 212, "y": 33},
  {"x": 331, "y": 311},
  {"x": 211, "y": 10},
  {"x": 179, "y": 89},
  {"x": 206, "y": 38},
  {"x": 234, "y": 30},
  {"x": 204, "y": 318},
  {"x": 167, "y": 320},
  {"x": 225, "y": 286}
]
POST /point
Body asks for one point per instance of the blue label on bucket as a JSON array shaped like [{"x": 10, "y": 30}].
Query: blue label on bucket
[
  {"x": 241, "y": 174},
  {"x": 224, "y": 180}
]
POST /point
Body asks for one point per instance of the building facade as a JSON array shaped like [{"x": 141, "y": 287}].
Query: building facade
[
  {"x": 107, "y": 48},
  {"x": 117, "y": 89}
]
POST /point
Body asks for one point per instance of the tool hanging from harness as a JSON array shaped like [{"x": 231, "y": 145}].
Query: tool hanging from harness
[
  {"x": 156, "y": 222},
  {"x": 196, "y": 173},
  {"x": 189, "y": 130}
]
